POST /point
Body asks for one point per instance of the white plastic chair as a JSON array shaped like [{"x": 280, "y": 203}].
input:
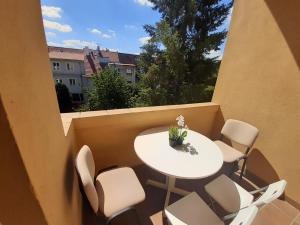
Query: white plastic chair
[
  {"x": 232, "y": 197},
  {"x": 241, "y": 133},
  {"x": 192, "y": 210},
  {"x": 115, "y": 191}
]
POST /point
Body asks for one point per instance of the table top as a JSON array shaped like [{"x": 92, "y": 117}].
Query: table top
[{"x": 198, "y": 157}]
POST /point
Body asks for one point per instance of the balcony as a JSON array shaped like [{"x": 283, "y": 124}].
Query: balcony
[
  {"x": 258, "y": 82},
  {"x": 99, "y": 128}
]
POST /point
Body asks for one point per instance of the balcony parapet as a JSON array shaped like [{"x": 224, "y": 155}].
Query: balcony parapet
[{"x": 111, "y": 133}]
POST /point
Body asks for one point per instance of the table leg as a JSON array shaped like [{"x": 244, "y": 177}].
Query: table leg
[{"x": 169, "y": 186}]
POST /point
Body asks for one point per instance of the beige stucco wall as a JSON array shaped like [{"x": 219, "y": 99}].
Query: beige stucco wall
[
  {"x": 18, "y": 204},
  {"x": 111, "y": 133},
  {"x": 29, "y": 101},
  {"x": 259, "y": 82}
]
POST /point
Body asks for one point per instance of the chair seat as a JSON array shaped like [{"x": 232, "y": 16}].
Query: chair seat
[
  {"x": 117, "y": 190},
  {"x": 191, "y": 210},
  {"x": 229, "y": 194},
  {"x": 229, "y": 153}
]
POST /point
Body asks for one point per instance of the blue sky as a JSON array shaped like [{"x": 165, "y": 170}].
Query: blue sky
[{"x": 112, "y": 24}]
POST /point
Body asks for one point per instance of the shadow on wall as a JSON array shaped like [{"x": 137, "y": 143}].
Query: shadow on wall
[
  {"x": 286, "y": 14},
  {"x": 69, "y": 176},
  {"x": 259, "y": 169},
  {"x": 219, "y": 122}
]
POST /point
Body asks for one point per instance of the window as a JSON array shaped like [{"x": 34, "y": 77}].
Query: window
[
  {"x": 70, "y": 66},
  {"x": 55, "y": 65},
  {"x": 59, "y": 81},
  {"x": 129, "y": 71},
  {"x": 72, "y": 82}
]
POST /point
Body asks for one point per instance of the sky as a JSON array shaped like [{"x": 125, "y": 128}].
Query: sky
[{"x": 113, "y": 24}]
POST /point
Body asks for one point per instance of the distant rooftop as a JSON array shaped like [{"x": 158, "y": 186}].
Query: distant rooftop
[
  {"x": 92, "y": 57},
  {"x": 65, "y": 53}
]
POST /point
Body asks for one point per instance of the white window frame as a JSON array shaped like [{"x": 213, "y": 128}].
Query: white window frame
[
  {"x": 71, "y": 66},
  {"x": 59, "y": 81},
  {"x": 56, "y": 67},
  {"x": 71, "y": 81}
]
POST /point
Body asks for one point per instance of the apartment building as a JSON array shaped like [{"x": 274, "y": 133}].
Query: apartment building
[
  {"x": 76, "y": 67},
  {"x": 124, "y": 63},
  {"x": 68, "y": 68}
]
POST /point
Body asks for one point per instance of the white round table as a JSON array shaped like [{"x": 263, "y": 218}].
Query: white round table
[{"x": 197, "y": 158}]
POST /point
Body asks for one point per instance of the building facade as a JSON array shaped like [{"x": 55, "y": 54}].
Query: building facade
[
  {"x": 68, "y": 68},
  {"x": 125, "y": 64},
  {"x": 76, "y": 67}
]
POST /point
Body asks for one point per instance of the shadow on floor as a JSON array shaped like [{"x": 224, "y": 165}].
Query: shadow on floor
[{"x": 149, "y": 212}]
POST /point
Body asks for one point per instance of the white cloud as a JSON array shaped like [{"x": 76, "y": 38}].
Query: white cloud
[
  {"x": 51, "y": 11},
  {"x": 144, "y": 3},
  {"x": 130, "y": 27},
  {"x": 50, "y": 43},
  {"x": 113, "y": 50},
  {"x": 50, "y": 34},
  {"x": 57, "y": 26},
  {"x": 111, "y": 34},
  {"x": 75, "y": 43},
  {"x": 215, "y": 54},
  {"x": 144, "y": 40},
  {"x": 107, "y": 36},
  {"x": 95, "y": 31}
]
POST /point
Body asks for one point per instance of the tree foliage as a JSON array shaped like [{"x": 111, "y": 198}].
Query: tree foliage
[
  {"x": 175, "y": 61},
  {"x": 109, "y": 91},
  {"x": 63, "y": 97}
]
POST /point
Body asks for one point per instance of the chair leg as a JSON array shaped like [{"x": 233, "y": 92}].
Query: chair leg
[
  {"x": 232, "y": 169},
  {"x": 243, "y": 168},
  {"x": 137, "y": 215}
]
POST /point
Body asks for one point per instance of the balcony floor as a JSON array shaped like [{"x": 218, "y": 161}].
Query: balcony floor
[{"x": 149, "y": 212}]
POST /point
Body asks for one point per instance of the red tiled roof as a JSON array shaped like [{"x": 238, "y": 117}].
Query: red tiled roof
[
  {"x": 91, "y": 58},
  {"x": 127, "y": 58},
  {"x": 65, "y": 53},
  {"x": 91, "y": 64},
  {"x": 116, "y": 57}
]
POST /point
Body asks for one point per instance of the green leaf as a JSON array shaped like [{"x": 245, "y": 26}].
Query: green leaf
[{"x": 184, "y": 134}]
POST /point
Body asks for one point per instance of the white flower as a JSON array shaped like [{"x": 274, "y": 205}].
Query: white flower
[
  {"x": 180, "y": 121},
  {"x": 180, "y": 117}
]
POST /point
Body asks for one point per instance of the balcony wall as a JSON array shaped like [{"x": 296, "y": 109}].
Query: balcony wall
[
  {"x": 259, "y": 82},
  {"x": 111, "y": 134},
  {"x": 38, "y": 180}
]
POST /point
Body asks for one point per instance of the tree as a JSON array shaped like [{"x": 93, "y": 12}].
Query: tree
[
  {"x": 63, "y": 98},
  {"x": 109, "y": 91},
  {"x": 175, "y": 61}
]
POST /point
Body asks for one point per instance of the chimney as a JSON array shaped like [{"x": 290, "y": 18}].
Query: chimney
[{"x": 86, "y": 50}]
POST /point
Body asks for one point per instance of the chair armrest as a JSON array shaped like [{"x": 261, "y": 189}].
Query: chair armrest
[
  {"x": 229, "y": 216},
  {"x": 259, "y": 190}
]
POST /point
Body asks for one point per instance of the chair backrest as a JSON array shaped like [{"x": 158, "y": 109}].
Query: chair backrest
[
  {"x": 86, "y": 169},
  {"x": 240, "y": 132},
  {"x": 274, "y": 191},
  {"x": 245, "y": 216}
]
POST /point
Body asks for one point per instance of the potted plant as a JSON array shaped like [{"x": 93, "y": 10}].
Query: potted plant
[{"x": 177, "y": 134}]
